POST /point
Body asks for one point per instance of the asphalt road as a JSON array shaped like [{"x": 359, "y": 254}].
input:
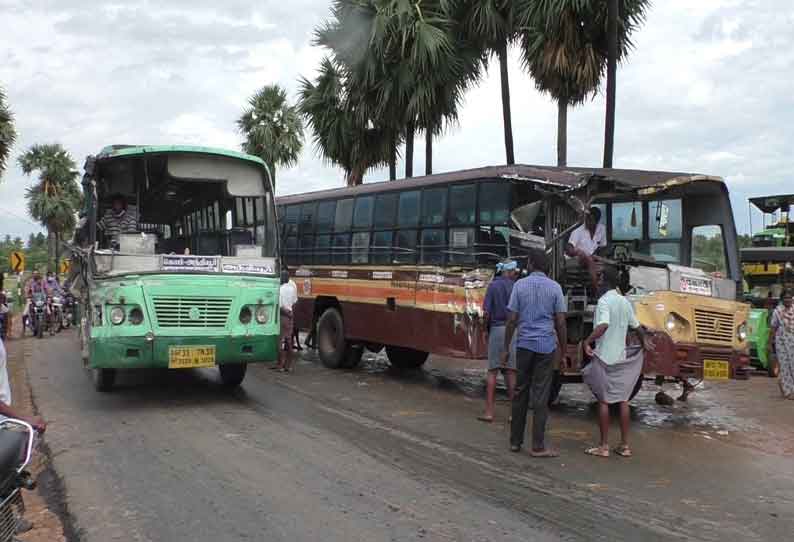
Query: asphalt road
[{"x": 375, "y": 455}]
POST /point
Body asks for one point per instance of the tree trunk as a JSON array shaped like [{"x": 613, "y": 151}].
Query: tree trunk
[
  {"x": 506, "y": 115},
  {"x": 355, "y": 176},
  {"x": 428, "y": 152},
  {"x": 51, "y": 249},
  {"x": 562, "y": 132},
  {"x": 612, "y": 68},
  {"x": 57, "y": 252},
  {"x": 393, "y": 161},
  {"x": 409, "y": 150}
]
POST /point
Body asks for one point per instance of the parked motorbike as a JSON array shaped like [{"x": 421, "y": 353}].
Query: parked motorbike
[{"x": 16, "y": 446}]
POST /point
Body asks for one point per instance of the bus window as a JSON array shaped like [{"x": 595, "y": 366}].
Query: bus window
[
  {"x": 239, "y": 217},
  {"x": 259, "y": 210},
  {"x": 360, "y": 247},
  {"x": 627, "y": 221},
  {"x": 432, "y": 246},
  {"x": 322, "y": 250},
  {"x": 494, "y": 203},
  {"x": 381, "y": 247},
  {"x": 408, "y": 215},
  {"x": 362, "y": 216},
  {"x": 340, "y": 253},
  {"x": 462, "y": 202},
  {"x": 291, "y": 219},
  {"x": 325, "y": 216},
  {"x": 666, "y": 252},
  {"x": 249, "y": 211},
  {"x": 290, "y": 250},
  {"x": 306, "y": 248},
  {"x": 307, "y": 218},
  {"x": 665, "y": 219},
  {"x": 344, "y": 215},
  {"x": 405, "y": 247},
  {"x": 434, "y": 207},
  {"x": 708, "y": 249},
  {"x": 385, "y": 210},
  {"x": 229, "y": 219},
  {"x": 461, "y": 241}
]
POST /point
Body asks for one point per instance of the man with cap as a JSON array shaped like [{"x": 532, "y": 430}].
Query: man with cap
[{"x": 495, "y": 309}]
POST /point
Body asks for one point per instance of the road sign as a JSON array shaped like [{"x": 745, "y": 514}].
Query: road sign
[
  {"x": 17, "y": 261},
  {"x": 65, "y": 264}
]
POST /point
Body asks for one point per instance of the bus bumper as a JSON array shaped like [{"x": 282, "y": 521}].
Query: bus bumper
[
  {"x": 682, "y": 360},
  {"x": 140, "y": 353}
]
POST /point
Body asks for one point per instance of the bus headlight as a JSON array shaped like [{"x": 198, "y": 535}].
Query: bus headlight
[
  {"x": 262, "y": 314},
  {"x": 741, "y": 333},
  {"x": 136, "y": 316},
  {"x": 245, "y": 315},
  {"x": 116, "y": 315},
  {"x": 671, "y": 322}
]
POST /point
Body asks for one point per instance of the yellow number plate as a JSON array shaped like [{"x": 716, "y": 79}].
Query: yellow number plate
[
  {"x": 716, "y": 370},
  {"x": 188, "y": 357}
]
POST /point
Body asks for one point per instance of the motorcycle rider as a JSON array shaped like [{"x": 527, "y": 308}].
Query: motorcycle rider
[
  {"x": 53, "y": 285},
  {"x": 35, "y": 286}
]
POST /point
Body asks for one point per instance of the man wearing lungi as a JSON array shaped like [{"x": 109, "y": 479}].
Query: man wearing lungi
[{"x": 614, "y": 368}]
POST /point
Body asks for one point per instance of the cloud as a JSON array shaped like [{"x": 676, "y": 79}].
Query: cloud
[{"x": 706, "y": 89}]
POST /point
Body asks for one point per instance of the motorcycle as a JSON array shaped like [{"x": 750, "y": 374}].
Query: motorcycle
[
  {"x": 68, "y": 312},
  {"x": 16, "y": 447},
  {"x": 37, "y": 314},
  {"x": 55, "y": 319}
]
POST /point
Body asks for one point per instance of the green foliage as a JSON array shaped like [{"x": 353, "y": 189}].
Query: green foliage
[
  {"x": 56, "y": 197},
  {"x": 8, "y": 134},
  {"x": 272, "y": 128}
]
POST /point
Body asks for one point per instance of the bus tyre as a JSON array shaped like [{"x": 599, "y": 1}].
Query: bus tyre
[
  {"x": 637, "y": 387},
  {"x": 556, "y": 386},
  {"x": 405, "y": 358},
  {"x": 232, "y": 374},
  {"x": 353, "y": 356},
  {"x": 331, "y": 344},
  {"x": 104, "y": 379}
]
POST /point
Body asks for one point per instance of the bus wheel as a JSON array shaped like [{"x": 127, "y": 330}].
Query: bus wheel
[
  {"x": 405, "y": 358},
  {"x": 637, "y": 387},
  {"x": 104, "y": 379},
  {"x": 352, "y": 356},
  {"x": 556, "y": 386},
  {"x": 232, "y": 374},
  {"x": 331, "y": 344}
]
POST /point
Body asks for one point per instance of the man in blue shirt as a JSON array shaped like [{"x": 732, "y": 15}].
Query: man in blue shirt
[
  {"x": 495, "y": 308},
  {"x": 537, "y": 307}
]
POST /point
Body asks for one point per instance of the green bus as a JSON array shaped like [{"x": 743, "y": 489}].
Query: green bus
[{"x": 176, "y": 262}]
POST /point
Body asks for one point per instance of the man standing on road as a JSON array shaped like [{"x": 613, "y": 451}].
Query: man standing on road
[
  {"x": 537, "y": 308},
  {"x": 495, "y": 308},
  {"x": 614, "y": 368},
  {"x": 288, "y": 296}
]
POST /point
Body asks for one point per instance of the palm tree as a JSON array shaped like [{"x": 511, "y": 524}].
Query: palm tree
[
  {"x": 558, "y": 47},
  {"x": 7, "y": 133},
  {"x": 272, "y": 128},
  {"x": 55, "y": 198},
  {"x": 339, "y": 134},
  {"x": 612, "y": 75},
  {"x": 492, "y": 24}
]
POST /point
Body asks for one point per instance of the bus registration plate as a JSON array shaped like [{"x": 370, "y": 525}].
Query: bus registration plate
[
  {"x": 189, "y": 357},
  {"x": 716, "y": 370}
]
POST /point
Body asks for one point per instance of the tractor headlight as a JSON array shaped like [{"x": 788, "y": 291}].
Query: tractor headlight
[
  {"x": 741, "y": 333},
  {"x": 262, "y": 314},
  {"x": 116, "y": 315}
]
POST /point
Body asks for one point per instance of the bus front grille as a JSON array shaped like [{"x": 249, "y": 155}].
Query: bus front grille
[
  {"x": 189, "y": 311},
  {"x": 714, "y": 327}
]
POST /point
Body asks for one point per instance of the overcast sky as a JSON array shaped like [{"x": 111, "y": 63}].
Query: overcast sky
[{"x": 708, "y": 89}]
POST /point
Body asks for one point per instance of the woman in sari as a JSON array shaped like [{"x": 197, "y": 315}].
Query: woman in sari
[{"x": 781, "y": 337}]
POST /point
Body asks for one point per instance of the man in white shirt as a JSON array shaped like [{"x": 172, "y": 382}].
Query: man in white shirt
[
  {"x": 288, "y": 297},
  {"x": 586, "y": 241},
  {"x": 5, "y": 397}
]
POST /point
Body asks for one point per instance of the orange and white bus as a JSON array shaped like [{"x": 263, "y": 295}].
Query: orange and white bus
[{"x": 404, "y": 265}]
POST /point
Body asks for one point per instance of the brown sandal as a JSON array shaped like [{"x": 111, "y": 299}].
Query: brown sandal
[
  {"x": 623, "y": 451},
  {"x": 597, "y": 451}
]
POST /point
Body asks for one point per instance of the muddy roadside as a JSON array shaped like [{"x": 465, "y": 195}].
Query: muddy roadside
[{"x": 46, "y": 506}]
